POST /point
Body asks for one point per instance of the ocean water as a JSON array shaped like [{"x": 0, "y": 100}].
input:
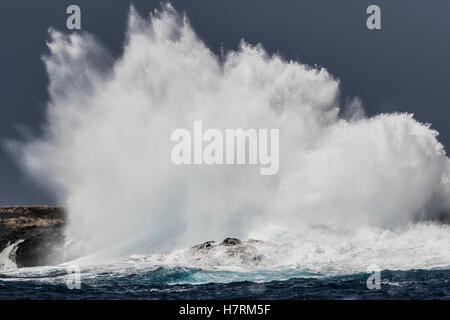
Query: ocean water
[{"x": 188, "y": 283}]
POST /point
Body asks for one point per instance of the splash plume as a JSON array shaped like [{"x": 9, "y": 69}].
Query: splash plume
[{"x": 106, "y": 147}]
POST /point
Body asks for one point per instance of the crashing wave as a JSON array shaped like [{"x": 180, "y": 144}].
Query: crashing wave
[{"x": 349, "y": 189}]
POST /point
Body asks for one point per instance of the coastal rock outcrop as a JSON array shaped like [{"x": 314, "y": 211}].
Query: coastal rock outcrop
[
  {"x": 231, "y": 242},
  {"x": 36, "y": 231}
]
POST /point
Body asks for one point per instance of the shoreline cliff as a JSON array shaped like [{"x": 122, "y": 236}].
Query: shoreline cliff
[{"x": 36, "y": 233}]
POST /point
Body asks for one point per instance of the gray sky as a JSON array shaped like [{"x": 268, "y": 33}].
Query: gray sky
[{"x": 403, "y": 67}]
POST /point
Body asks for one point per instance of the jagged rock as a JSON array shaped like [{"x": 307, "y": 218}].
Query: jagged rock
[
  {"x": 231, "y": 242},
  {"x": 40, "y": 228},
  {"x": 43, "y": 248},
  {"x": 205, "y": 245}
]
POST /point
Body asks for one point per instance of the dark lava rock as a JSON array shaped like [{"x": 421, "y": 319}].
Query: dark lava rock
[
  {"x": 205, "y": 245},
  {"x": 41, "y": 230},
  {"x": 231, "y": 242},
  {"x": 41, "y": 248}
]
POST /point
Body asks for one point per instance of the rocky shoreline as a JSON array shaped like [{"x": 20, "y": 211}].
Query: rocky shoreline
[{"x": 36, "y": 231}]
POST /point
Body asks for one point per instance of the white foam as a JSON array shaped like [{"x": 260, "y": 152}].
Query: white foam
[{"x": 106, "y": 153}]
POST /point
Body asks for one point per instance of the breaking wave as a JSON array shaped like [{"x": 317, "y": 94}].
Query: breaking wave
[{"x": 351, "y": 190}]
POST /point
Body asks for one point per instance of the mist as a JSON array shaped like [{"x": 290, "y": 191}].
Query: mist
[{"x": 106, "y": 148}]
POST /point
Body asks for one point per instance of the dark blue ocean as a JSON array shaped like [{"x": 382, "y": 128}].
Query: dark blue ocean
[{"x": 186, "y": 283}]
